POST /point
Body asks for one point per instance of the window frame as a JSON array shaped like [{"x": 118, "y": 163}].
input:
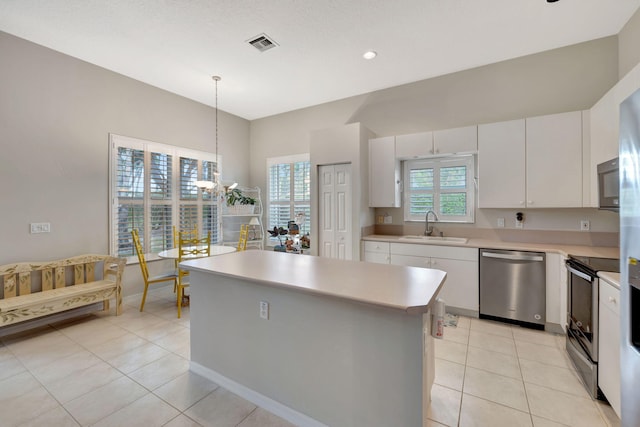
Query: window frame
[
  {"x": 292, "y": 203},
  {"x": 147, "y": 201},
  {"x": 437, "y": 163}
]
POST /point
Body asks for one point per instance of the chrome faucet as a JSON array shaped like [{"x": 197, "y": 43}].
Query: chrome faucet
[{"x": 429, "y": 230}]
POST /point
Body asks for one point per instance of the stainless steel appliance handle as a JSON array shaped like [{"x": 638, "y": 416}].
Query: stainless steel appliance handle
[
  {"x": 513, "y": 257},
  {"x": 580, "y": 274}
]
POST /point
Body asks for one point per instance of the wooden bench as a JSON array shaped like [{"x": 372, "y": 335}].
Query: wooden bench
[{"x": 33, "y": 290}]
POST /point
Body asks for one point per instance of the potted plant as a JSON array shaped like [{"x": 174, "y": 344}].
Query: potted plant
[{"x": 239, "y": 203}]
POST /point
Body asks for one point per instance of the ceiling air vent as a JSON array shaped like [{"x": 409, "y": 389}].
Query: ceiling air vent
[{"x": 262, "y": 42}]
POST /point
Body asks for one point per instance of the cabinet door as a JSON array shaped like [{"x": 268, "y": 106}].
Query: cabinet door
[
  {"x": 457, "y": 140},
  {"x": 415, "y": 145},
  {"x": 501, "y": 165},
  {"x": 377, "y": 257},
  {"x": 609, "y": 344},
  {"x": 554, "y": 161},
  {"x": 410, "y": 261},
  {"x": 384, "y": 173},
  {"x": 461, "y": 287}
]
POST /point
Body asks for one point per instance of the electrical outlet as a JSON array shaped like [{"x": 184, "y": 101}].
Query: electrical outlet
[
  {"x": 40, "y": 227},
  {"x": 501, "y": 222},
  {"x": 264, "y": 310},
  {"x": 585, "y": 225},
  {"x": 519, "y": 220}
]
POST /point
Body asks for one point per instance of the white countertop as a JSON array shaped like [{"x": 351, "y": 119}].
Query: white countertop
[
  {"x": 410, "y": 289},
  {"x": 593, "y": 251},
  {"x": 613, "y": 278}
]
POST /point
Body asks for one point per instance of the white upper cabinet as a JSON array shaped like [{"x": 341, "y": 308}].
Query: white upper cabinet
[
  {"x": 384, "y": 173},
  {"x": 457, "y": 140},
  {"x": 440, "y": 142},
  {"x": 554, "y": 160},
  {"x": 414, "y": 145},
  {"x": 501, "y": 165},
  {"x": 533, "y": 163}
]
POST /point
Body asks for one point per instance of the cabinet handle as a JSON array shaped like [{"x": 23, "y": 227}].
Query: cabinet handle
[
  {"x": 612, "y": 300},
  {"x": 521, "y": 202},
  {"x": 530, "y": 202}
]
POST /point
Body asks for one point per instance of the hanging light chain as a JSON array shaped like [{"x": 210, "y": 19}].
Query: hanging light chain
[{"x": 216, "y": 173}]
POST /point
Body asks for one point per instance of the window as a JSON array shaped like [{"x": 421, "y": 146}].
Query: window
[
  {"x": 444, "y": 185},
  {"x": 289, "y": 191},
  {"x": 152, "y": 189}
]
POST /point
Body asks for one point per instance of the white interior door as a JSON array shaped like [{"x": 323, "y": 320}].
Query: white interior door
[{"x": 335, "y": 202}]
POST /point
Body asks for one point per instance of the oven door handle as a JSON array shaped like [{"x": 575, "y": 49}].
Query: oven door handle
[{"x": 580, "y": 274}]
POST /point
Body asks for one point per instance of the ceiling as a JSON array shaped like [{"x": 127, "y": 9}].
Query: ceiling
[{"x": 177, "y": 45}]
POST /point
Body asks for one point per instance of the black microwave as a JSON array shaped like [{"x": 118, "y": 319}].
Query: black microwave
[{"x": 609, "y": 185}]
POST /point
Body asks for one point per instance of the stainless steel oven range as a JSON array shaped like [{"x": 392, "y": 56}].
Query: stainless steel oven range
[{"x": 582, "y": 315}]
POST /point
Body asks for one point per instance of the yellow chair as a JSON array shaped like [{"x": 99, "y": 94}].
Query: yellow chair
[
  {"x": 165, "y": 277},
  {"x": 188, "y": 248},
  {"x": 244, "y": 235}
]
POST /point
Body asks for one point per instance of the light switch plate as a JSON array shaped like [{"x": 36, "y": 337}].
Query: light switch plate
[{"x": 501, "y": 222}]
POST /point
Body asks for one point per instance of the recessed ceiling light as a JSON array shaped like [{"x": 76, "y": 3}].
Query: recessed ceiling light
[{"x": 370, "y": 54}]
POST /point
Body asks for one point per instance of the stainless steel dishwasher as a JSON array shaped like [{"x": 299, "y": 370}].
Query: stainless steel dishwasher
[{"x": 513, "y": 287}]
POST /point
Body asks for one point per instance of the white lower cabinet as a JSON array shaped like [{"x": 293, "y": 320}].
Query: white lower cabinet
[
  {"x": 377, "y": 252},
  {"x": 609, "y": 345},
  {"x": 460, "y": 289}
]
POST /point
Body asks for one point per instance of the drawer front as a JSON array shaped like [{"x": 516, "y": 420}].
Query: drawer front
[
  {"x": 379, "y": 247},
  {"x": 429, "y": 250},
  {"x": 610, "y": 296}
]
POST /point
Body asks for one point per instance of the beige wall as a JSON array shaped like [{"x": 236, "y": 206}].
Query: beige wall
[
  {"x": 55, "y": 116},
  {"x": 566, "y": 79},
  {"x": 628, "y": 49}
]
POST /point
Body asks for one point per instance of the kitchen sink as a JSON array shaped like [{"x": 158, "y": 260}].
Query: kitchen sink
[{"x": 434, "y": 239}]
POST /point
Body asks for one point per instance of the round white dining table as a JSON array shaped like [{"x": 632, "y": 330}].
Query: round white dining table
[{"x": 214, "y": 250}]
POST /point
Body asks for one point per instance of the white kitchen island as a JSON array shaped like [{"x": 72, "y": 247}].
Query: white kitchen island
[{"x": 346, "y": 343}]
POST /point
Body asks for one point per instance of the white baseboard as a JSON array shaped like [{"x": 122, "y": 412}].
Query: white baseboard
[{"x": 276, "y": 408}]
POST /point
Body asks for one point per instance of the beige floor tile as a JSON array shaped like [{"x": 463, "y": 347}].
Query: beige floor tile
[
  {"x": 563, "y": 407},
  {"x": 43, "y": 348},
  {"x": 141, "y": 321},
  {"x": 161, "y": 371},
  {"x": 220, "y": 408},
  {"x": 65, "y": 367},
  {"x": 159, "y": 330},
  {"x": 182, "y": 421},
  {"x": 262, "y": 418},
  {"x": 17, "y": 385},
  {"x": 561, "y": 379},
  {"x": 493, "y": 342},
  {"x": 23, "y": 407},
  {"x": 543, "y": 422},
  {"x": 9, "y": 365},
  {"x": 460, "y": 335},
  {"x": 445, "y": 405},
  {"x": 498, "y": 363},
  {"x": 431, "y": 423},
  {"x": 149, "y": 410},
  {"x": 449, "y": 374},
  {"x": 609, "y": 415},
  {"x": 56, "y": 417},
  {"x": 464, "y": 322},
  {"x": 543, "y": 354},
  {"x": 491, "y": 327},
  {"x": 138, "y": 357},
  {"x": 476, "y": 412},
  {"x": 117, "y": 346},
  {"x": 105, "y": 400},
  {"x": 496, "y": 388},
  {"x": 185, "y": 390},
  {"x": 451, "y": 351},
  {"x": 83, "y": 381},
  {"x": 535, "y": 337}
]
